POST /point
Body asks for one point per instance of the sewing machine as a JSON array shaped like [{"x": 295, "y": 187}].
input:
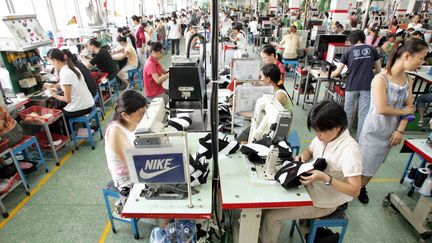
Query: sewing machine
[
  {"x": 153, "y": 122},
  {"x": 269, "y": 117},
  {"x": 158, "y": 160}
]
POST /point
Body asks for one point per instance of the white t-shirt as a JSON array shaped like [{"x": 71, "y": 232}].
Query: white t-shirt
[
  {"x": 81, "y": 97},
  {"x": 416, "y": 27},
  {"x": 174, "y": 30},
  {"x": 343, "y": 159},
  {"x": 241, "y": 40},
  {"x": 253, "y": 25}
]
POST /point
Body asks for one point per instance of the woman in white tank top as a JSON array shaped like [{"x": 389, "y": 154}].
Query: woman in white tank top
[
  {"x": 119, "y": 136},
  {"x": 271, "y": 74}
]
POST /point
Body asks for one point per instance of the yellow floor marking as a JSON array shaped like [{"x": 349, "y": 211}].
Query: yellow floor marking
[
  {"x": 385, "y": 180},
  {"x": 36, "y": 189},
  {"x": 105, "y": 232},
  {"x": 41, "y": 183}
]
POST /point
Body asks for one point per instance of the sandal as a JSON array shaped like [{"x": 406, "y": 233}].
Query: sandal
[{"x": 420, "y": 123}]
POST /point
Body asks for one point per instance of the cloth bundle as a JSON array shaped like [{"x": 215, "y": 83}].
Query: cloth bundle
[
  {"x": 289, "y": 175},
  {"x": 225, "y": 146},
  {"x": 199, "y": 169},
  {"x": 180, "y": 123},
  {"x": 257, "y": 152}
]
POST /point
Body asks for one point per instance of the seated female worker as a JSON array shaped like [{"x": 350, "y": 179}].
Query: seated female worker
[
  {"x": 154, "y": 74},
  {"x": 71, "y": 81},
  {"x": 270, "y": 73},
  {"x": 269, "y": 56},
  {"x": 337, "y": 184},
  {"x": 125, "y": 52},
  {"x": 119, "y": 136}
]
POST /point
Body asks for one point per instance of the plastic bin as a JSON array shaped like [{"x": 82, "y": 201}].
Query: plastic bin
[
  {"x": 99, "y": 77},
  {"x": 39, "y": 114},
  {"x": 4, "y": 144},
  {"x": 43, "y": 140}
]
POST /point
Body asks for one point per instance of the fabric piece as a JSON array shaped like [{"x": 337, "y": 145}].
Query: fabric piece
[{"x": 289, "y": 174}]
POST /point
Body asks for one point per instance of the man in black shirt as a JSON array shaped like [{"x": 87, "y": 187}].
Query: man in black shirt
[
  {"x": 102, "y": 59},
  {"x": 361, "y": 61}
]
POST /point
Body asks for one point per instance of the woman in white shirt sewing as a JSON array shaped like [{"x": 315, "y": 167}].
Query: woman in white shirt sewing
[
  {"x": 76, "y": 94},
  {"x": 239, "y": 36},
  {"x": 119, "y": 136},
  {"x": 328, "y": 189}
]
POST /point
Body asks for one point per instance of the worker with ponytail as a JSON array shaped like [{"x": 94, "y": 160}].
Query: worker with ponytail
[
  {"x": 271, "y": 74},
  {"x": 76, "y": 95},
  {"x": 391, "y": 104}
]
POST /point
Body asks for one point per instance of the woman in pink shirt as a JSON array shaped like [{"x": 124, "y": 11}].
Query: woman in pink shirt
[
  {"x": 269, "y": 56},
  {"x": 155, "y": 74},
  {"x": 373, "y": 38}
]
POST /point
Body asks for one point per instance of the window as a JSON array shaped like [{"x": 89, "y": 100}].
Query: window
[
  {"x": 43, "y": 15},
  {"x": 23, "y": 6},
  {"x": 3, "y": 8},
  {"x": 91, "y": 13},
  {"x": 64, "y": 10}
]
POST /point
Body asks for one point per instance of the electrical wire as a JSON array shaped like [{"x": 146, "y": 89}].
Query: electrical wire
[{"x": 214, "y": 119}]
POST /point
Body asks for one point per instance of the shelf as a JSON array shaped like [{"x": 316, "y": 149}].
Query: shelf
[
  {"x": 44, "y": 144},
  {"x": 18, "y": 183}
]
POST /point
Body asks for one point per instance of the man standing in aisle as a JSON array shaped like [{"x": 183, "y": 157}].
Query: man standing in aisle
[{"x": 361, "y": 59}]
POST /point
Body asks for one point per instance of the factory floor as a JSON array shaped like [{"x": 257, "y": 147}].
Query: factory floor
[{"x": 66, "y": 205}]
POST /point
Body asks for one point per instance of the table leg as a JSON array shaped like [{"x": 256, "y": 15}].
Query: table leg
[
  {"x": 304, "y": 89},
  {"x": 317, "y": 92},
  {"x": 406, "y": 168},
  {"x": 3, "y": 209},
  {"x": 250, "y": 220},
  {"x": 416, "y": 80},
  {"x": 22, "y": 175},
  {"x": 51, "y": 142},
  {"x": 67, "y": 133}
]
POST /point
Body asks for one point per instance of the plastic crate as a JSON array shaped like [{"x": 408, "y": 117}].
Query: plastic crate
[
  {"x": 4, "y": 144},
  {"x": 99, "y": 77},
  {"x": 39, "y": 114},
  {"x": 43, "y": 140}
]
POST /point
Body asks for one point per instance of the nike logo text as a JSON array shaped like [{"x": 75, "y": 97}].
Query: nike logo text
[{"x": 150, "y": 175}]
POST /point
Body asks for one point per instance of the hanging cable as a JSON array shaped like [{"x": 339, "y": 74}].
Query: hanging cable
[{"x": 214, "y": 118}]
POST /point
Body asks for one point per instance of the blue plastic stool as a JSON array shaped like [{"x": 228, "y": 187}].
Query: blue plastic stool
[
  {"x": 336, "y": 219},
  {"x": 24, "y": 144},
  {"x": 85, "y": 120},
  {"x": 135, "y": 74},
  {"x": 101, "y": 108},
  {"x": 111, "y": 191},
  {"x": 294, "y": 141},
  {"x": 293, "y": 63},
  {"x": 113, "y": 88}
]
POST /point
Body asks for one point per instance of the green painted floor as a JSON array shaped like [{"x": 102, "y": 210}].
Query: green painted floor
[{"x": 69, "y": 206}]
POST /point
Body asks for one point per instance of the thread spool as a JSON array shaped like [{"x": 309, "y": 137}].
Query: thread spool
[
  {"x": 426, "y": 188},
  {"x": 422, "y": 174},
  {"x": 412, "y": 173},
  {"x": 409, "y": 178}
]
